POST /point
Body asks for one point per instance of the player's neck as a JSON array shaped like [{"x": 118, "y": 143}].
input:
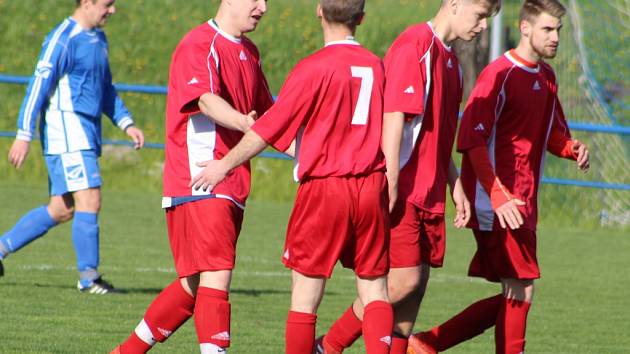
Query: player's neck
[
  {"x": 333, "y": 33},
  {"x": 82, "y": 20},
  {"x": 442, "y": 27},
  {"x": 525, "y": 51},
  {"x": 222, "y": 21}
]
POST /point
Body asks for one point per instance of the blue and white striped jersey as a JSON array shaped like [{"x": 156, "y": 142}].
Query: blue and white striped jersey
[{"x": 70, "y": 89}]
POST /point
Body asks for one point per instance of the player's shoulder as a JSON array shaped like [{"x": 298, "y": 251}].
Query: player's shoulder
[
  {"x": 198, "y": 38},
  {"x": 418, "y": 37},
  {"x": 250, "y": 45},
  {"x": 496, "y": 72},
  {"x": 61, "y": 33}
]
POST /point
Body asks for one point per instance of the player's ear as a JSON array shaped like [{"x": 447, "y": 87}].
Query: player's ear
[
  {"x": 318, "y": 11},
  {"x": 361, "y": 18},
  {"x": 526, "y": 28}
]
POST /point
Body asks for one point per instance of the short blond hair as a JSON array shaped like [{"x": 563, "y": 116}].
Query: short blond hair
[{"x": 531, "y": 9}]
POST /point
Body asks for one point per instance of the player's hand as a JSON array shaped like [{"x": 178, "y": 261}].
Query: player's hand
[
  {"x": 136, "y": 136},
  {"x": 509, "y": 215},
  {"x": 581, "y": 151},
  {"x": 18, "y": 152},
  {"x": 248, "y": 121},
  {"x": 212, "y": 174},
  {"x": 462, "y": 205}
]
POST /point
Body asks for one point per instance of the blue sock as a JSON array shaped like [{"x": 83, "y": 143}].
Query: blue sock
[
  {"x": 85, "y": 240},
  {"x": 31, "y": 226}
]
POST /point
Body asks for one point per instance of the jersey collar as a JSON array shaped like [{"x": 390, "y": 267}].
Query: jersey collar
[
  {"x": 522, "y": 63},
  {"x": 349, "y": 41},
  {"x": 227, "y": 36}
]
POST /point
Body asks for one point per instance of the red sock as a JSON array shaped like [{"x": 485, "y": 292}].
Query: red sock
[
  {"x": 471, "y": 322},
  {"x": 378, "y": 322},
  {"x": 134, "y": 345},
  {"x": 212, "y": 317},
  {"x": 300, "y": 332},
  {"x": 399, "y": 345},
  {"x": 344, "y": 331},
  {"x": 509, "y": 332}
]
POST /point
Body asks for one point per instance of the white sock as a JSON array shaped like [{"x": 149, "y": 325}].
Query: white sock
[{"x": 209, "y": 348}]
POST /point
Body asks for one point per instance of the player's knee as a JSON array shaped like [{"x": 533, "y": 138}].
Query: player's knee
[
  {"x": 405, "y": 287},
  {"x": 61, "y": 214}
]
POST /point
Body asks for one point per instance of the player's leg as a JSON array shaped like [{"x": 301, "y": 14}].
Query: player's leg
[
  {"x": 306, "y": 295},
  {"x": 378, "y": 316},
  {"x": 512, "y": 317},
  {"x": 213, "y": 311},
  {"x": 168, "y": 311},
  {"x": 38, "y": 221},
  {"x": 85, "y": 238}
]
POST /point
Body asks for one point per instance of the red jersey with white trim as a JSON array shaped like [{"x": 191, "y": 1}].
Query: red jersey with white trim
[
  {"x": 210, "y": 60},
  {"x": 424, "y": 81},
  {"x": 511, "y": 111},
  {"x": 333, "y": 103}
]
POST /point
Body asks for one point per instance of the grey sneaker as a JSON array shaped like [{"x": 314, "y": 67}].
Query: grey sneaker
[{"x": 98, "y": 287}]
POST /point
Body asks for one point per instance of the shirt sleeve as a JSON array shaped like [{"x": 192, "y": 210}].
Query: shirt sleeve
[
  {"x": 195, "y": 72},
  {"x": 481, "y": 112},
  {"x": 296, "y": 102},
  {"x": 52, "y": 64},
  {"x": 406, "y": 80},
  {"x": 113, "y": 105},
  {"x": 559, "y": 142}
]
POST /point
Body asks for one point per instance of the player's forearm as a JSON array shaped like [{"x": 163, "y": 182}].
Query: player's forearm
[
  {"x": 561, "y": 145},
  {"x": 453, "y": 174},
  {"x": 480, "y": 160},
  {"x": 222, "y": 113},
  {"x": 250, "y": 145},
  {"x": 393, "y": 124}
]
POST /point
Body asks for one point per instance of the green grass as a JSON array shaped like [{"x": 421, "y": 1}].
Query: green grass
[{"x": 580, "y": 304}]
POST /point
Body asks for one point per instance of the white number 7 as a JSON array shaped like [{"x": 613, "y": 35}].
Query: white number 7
[{"x": 365, "y": 94}]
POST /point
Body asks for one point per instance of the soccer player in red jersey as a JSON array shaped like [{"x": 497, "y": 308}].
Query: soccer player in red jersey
[
  {"x": 332, "y": 104},
  {"x": 423, "y": 92},
  {"x": 512, "y": 118},
  {"x": 216, "y": 86}
]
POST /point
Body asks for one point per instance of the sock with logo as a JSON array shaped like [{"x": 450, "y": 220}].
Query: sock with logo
[
  {"x": 212, "y": 317},
  {"x": 469, "y": 323},
  {"x": 509, "y": 332},
  {"x": 85, "y": 240},
  {"x": 170, "y": 309},
  {"x": 399, "y": 344},
  {"x": 300, "y": 332},
  {"x": 30, "y": 227},
  {"x": 378, "y": 322},
  {"x": 345, "y": 331}
]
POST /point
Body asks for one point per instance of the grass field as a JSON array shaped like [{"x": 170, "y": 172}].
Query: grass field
[{"x": 581, "y": 303}]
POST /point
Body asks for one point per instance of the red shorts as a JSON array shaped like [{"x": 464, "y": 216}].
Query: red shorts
[
  {"x": 203, "y": 235},
  {"x": 417, "y": 236},
  {"x": 505, "y": 254},
  {"x": 339, "y": 218}
]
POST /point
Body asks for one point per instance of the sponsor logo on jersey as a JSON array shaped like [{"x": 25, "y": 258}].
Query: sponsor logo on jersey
[
  {"x": 536, "y": 86},
  {"x": 193, "y": 81},
  {"x": 410, "y": 90},
  {"x": 242, "y": 56},
  {"x": 74, "y": 172},
  {"x": 225, "y": 335},
  {"x": 449, "y": 63},
  {"x": 387, "y": 340},
  {"x": 480, "y": 127},
  {"x": 165, "y": 332}
]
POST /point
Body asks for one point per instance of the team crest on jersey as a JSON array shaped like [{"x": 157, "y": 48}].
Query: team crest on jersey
[
  {"x": 410, "y": 90},
  {"x": 449, "y": 63},
  {"x": 242, "y": 56},
  {"x": 74, "y": 172},
  {"x": 536, "y": 86},
  {"x": 480, "y": 127}
]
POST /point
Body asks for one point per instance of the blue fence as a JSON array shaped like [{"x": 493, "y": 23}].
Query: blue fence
[{"x": 161, "y": 90}]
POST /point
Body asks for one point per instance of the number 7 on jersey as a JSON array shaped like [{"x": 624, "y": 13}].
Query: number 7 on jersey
[{"x": 362, "y": 107}]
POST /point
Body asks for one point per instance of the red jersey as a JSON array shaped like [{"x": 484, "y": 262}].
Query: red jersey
[
  {"x": 333, "y": 103},
  {"x": 424, "y": 81},
  {"x": 512, "y": 110},
  {"x": 209, "y": 60}
]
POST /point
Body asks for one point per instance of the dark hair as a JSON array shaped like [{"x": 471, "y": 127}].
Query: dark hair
[
  {"x": 346, "y": 12},
  {"x": 533, "y": 8}
]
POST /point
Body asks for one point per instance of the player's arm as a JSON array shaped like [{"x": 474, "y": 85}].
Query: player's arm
[
  {"x": 462, "y": 205},
  {"x": 45, "y": 77},
  {"x": 221, "y": 112},
  {"x": 562, "y": 145},
  {"x": 504, "y": 204},
  {"x": 215, "y": 171},
  {"x": 393, "y": 124}
]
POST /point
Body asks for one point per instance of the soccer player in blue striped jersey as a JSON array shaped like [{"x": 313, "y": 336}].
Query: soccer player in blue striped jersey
[{"x": 70, "y": 90}]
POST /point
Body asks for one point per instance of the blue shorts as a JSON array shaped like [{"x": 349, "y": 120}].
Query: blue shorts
[{"x": 72, "y": 171}]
